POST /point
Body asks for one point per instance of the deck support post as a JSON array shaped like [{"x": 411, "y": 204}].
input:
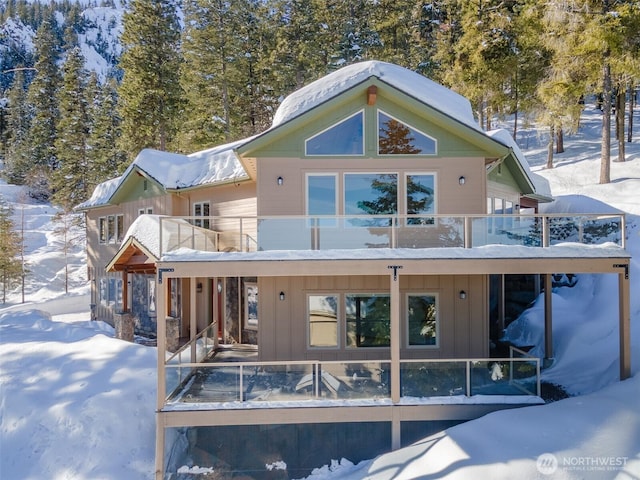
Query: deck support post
[
  {"x": 193, "y": 315},
  {"x": 625, "y": 325},
  {"x": 394, "y": 289},
  {"x": 161, "y": 299},
  {"x": 548, "y": 320}
]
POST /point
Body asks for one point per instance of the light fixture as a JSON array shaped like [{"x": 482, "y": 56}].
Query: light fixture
[
  {"x": 462, "y": 180},
  {"x": 463, "y": 294},
  {"x": 199, "y": 287},
  {"x": 281, "y": 296},
  {"x": 219, "y": 286},
  {"x": 280, "y": 180}
]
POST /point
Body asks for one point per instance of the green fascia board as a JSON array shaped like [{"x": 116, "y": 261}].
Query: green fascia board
[
  {"x": 287, "y": 139},
  {"x": 523, "y": 182},
  {"x": 132, "y": 187}
]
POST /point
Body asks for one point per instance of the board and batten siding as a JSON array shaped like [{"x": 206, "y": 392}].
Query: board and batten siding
[
  {"x": 462, "y": 323},
  {"x": 451, "y": 197}
]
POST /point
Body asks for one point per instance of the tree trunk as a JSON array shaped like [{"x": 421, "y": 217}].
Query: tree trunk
[
  {"x": 559, "y": 140},
  {"x": 605, "y": 165},
  {"x": 620, "y": 104},
  {"x": 632, "y": 102},
  {"x": 552, "y": 134}
]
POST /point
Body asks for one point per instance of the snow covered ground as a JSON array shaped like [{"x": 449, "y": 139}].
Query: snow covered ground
[{"x": 75, "y": 403}]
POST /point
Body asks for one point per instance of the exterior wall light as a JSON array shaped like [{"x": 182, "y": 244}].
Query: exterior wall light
[
  {"x": 463, "y": 294},
  {"x": 281, "y": 296},
  {"x": 462, "y": 180},
  {"x": 219, "y": 286},
  {"x": 199, "y": 287},
  {"x": 280, "y": 180}
]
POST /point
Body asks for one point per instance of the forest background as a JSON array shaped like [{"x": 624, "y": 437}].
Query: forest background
[{"x": 187, "y": 75}]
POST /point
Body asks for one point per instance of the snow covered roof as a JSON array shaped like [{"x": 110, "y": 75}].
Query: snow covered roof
[
  {"x": 412, "y": 83},
  {"x": 175, "y": 171},
  {"x": 540, "y": 184},
  {"x": 101, "y": 194}
]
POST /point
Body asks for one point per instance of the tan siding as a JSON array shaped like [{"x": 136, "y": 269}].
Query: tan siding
[
  {"x": 283, "y": 324},
  {"x": 451, "y": 197}
]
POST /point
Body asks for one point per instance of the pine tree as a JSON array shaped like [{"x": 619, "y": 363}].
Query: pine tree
[
  {"x": 296, "y": 58},
  {"x": 10, "y": 244},
  {"x": 42, "y": 96},
  {"x": 483, "y": 57},
  {"x": 106, "y": 160},
  {"x": 210, "y": 76},
  {"x": 150, "y": 94},
  {"x": 70, "y": 180},
  {"x": 16, "y": 160}
]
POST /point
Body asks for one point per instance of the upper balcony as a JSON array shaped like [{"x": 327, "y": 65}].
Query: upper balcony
[{"x": 269, "y": 233}]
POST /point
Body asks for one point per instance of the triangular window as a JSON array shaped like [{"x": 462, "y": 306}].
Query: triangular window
[
  {"x": 344, "y": 138},
  {"x": 398, "y": 138}
]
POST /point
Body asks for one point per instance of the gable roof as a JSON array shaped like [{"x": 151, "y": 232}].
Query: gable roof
[
  {"x": 174, "y": 171},
  {"x": 538, "y": 186},
  {"x": 418, "y": 86}
]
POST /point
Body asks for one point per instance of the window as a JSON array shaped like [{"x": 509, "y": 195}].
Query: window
[
  {"x": 148, "y": 211},
  {"x": 321, "y": 197},
  {"x": 201, "y": 209},
  {"x": 110, "y": 292},
  {"x": 368, "y": 320},
  {"x": 398, "y": 138},
  {"x": 420, "y": 197},
  {"x": 344, "y": 138},
  {"x": 119, "y": 228},
  {"x": 422, "y": 320},
  {"x": 102, "y": 221},
  {"x": 323, "y": 320},
  {"x": 370, "y": 194},
  {"x": 175, "y": 297},
  {"x": 251, "y": 305},
  {"x": 111, "y": 229}
]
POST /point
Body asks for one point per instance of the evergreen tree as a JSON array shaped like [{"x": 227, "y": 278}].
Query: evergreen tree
[
  {"x": 150, "y": 94},
  {"x": 16, "y": 160},
  {"x": 296, "y": 58},
  {"x": 211, "y": 75},
  {"x": 10, "y": 244},
  {"x": 42, "y": 97},
  {"x": 394, "y": 23},
  {"x": 483, "y": 58},
  {"x": 70, "y": 180},
  {"x": 106, "y": 160},
  {"x": 357, "y": 39}
]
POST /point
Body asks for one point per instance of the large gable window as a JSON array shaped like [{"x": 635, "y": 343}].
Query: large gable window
[
  {"x": 344, "y": 138},
  {"x": 398, "y": 138}
]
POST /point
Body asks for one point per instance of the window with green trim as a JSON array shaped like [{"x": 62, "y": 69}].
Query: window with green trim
[
  {"x": 398, "y": 138},
  {"x": 343, "y": 138}
]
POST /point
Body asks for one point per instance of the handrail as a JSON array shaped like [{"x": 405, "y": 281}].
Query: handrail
[
  {"x": 250, "y": 233},
  {"x": 317, "y": 367},
  {"x": 188, "y": 345}
]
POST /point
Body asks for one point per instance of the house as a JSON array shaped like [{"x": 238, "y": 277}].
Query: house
[{"x": 364, "y": 292}]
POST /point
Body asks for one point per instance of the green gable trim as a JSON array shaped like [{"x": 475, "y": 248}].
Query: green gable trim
[
  {"x": 454, "y": 138},
  {"x": 136, "y": 185}
]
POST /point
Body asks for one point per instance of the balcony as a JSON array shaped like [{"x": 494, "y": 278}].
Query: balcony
[
  {"x": 251, "y": 234},
  {"x": 196, "y": 380}
]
